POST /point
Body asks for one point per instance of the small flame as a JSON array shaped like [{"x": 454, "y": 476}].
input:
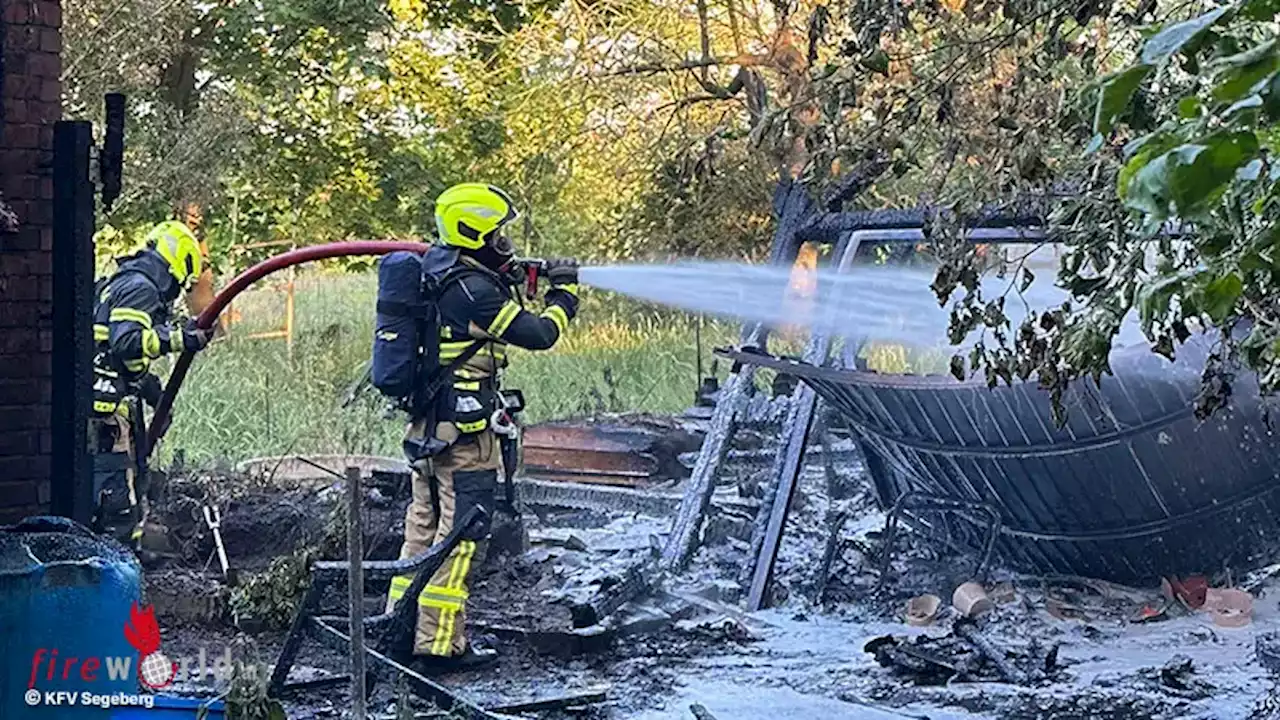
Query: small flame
[{"x": 141, "y": 630}]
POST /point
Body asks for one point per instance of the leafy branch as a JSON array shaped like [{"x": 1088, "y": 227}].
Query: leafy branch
[{"x": 1177, "y": 224}]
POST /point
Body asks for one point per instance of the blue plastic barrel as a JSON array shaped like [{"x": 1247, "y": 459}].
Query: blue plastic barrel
[{"x": 65, "y": 596}]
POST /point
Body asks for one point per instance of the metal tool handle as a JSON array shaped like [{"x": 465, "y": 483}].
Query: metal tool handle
[{"x": 213, "y": 518}]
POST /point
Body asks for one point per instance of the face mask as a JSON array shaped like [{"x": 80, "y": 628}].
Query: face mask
[
  {"x": 489, "y": 257},
  {"x": 502, "y": 244}
]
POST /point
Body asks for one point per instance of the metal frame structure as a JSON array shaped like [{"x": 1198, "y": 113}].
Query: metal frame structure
[
  {"x": 923, "y": 502},
  {"x": 1108, "y": 494},
  {"x": 791, "y": 454}
]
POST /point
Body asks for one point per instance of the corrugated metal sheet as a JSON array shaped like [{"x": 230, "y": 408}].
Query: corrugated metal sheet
[{"x": 1131, "y": 488}]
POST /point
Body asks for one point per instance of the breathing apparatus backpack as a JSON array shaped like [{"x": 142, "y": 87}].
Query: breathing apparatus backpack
[{"x": 406, "y": 340}]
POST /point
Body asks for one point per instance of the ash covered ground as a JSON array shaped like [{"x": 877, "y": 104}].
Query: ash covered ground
[{"x": 690, "y": 644}]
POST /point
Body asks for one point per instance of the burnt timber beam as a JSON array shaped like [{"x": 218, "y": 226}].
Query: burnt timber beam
[
  {"x": 771, "y": 519},
  {"x": 562, "y": 702},
  {"x": 854, "y": 183},
  {"x": 831, "y": 226},
  {"x": 639, "y": 579},
  {"x": 451, "y": 702}
]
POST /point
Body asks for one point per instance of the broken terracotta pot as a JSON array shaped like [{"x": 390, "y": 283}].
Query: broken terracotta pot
[
  {"x": 1229, "y": 607},
  {"x": 923, "y": 609},
  {"x": 1190, "y": 591},
  {"x": 971, "y": 600}
]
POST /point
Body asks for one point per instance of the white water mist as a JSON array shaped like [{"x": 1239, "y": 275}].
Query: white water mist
[{"x": 886, "y": 303}]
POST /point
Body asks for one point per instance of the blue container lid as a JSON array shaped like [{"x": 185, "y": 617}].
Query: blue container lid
[{"x": 168, "y": 707}]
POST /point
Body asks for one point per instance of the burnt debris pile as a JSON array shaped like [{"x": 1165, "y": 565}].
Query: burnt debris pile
[{"x": 965, "y": 655}]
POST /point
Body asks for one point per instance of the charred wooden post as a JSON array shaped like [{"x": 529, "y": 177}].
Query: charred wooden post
[
  {"x": 836, "y": 516},
  {"x": 355, "y": 591},
  {"x": 969, "y": 632},
  {"x": 394, "y": 630},
  {"x": 71, "y": 466},
  {"x": 693, "y": 507},
  {"x": 771, "y": 516}
]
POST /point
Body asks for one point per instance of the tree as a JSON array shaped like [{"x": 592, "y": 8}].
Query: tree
[
  {"x": 187, "y": 68},
  {"x": 1178, "y": 219}
]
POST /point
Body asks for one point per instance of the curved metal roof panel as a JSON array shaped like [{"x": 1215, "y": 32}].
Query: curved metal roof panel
[{"x": 1131, "y": 488}]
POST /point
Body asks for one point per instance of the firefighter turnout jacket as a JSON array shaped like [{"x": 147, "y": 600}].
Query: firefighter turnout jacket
[
  {"x": 481, "y": 306},
  {"x": 133, "y": 325}
]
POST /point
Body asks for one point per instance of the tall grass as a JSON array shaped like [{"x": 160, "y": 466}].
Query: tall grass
[
  {"x": 251, "y": 397},
  {"x": 248, "y": 397}
]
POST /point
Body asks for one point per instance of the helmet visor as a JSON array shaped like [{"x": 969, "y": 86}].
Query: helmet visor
[
  {"x": 192, "y": 276},
  {"x": 501, "y": 243}
]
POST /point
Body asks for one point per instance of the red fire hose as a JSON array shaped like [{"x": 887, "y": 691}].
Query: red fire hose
[{"x": 239, "y": 285}]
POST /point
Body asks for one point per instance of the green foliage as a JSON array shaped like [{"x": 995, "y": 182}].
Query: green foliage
[
  {"x": 1188, "y": 181},
  {"x": 247, "y": 697},
  {"x": 208, "y": 86},
  {"x": 1117, "y": 92},
  {"x": 1179, "y": 36},
  {"x": 1181, "y": 223},
  {"x": 485, "y": 16},
  {"x": 271, "y": 596},
  {"x": 1217, "y": 174}
]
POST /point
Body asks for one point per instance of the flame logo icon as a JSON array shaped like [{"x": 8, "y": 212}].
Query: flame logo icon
[{"x": 154, "y": 670}]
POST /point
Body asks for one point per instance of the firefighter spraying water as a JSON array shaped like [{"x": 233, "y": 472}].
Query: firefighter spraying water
[{"x": 444, "y": 321}]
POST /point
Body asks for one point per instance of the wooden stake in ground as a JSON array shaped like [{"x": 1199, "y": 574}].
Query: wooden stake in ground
[{"x": 355, "y": 591}]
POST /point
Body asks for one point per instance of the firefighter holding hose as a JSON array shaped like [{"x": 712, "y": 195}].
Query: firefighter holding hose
[
  {"x": 454, "y": 445},
  {"x": 133, "y": 324}
]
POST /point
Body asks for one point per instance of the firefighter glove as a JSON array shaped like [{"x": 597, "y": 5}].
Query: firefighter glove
[
  {"x": 562, "y": 271},
  {"x": 195, "y": 338},
  {"x": 149, "y": 389}
]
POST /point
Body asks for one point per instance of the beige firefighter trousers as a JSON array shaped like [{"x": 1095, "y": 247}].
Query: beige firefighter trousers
[{"x": 446, "y": 487}]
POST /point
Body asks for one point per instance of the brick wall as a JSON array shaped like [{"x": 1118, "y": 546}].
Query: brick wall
[{"x": 31, "y": 94}]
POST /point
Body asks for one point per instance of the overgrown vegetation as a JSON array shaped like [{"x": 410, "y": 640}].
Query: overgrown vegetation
[
  {"x": 247, "y": 398},
  {"x": 247, "y": 697},
  {"x": 1176, "y": 220}
]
